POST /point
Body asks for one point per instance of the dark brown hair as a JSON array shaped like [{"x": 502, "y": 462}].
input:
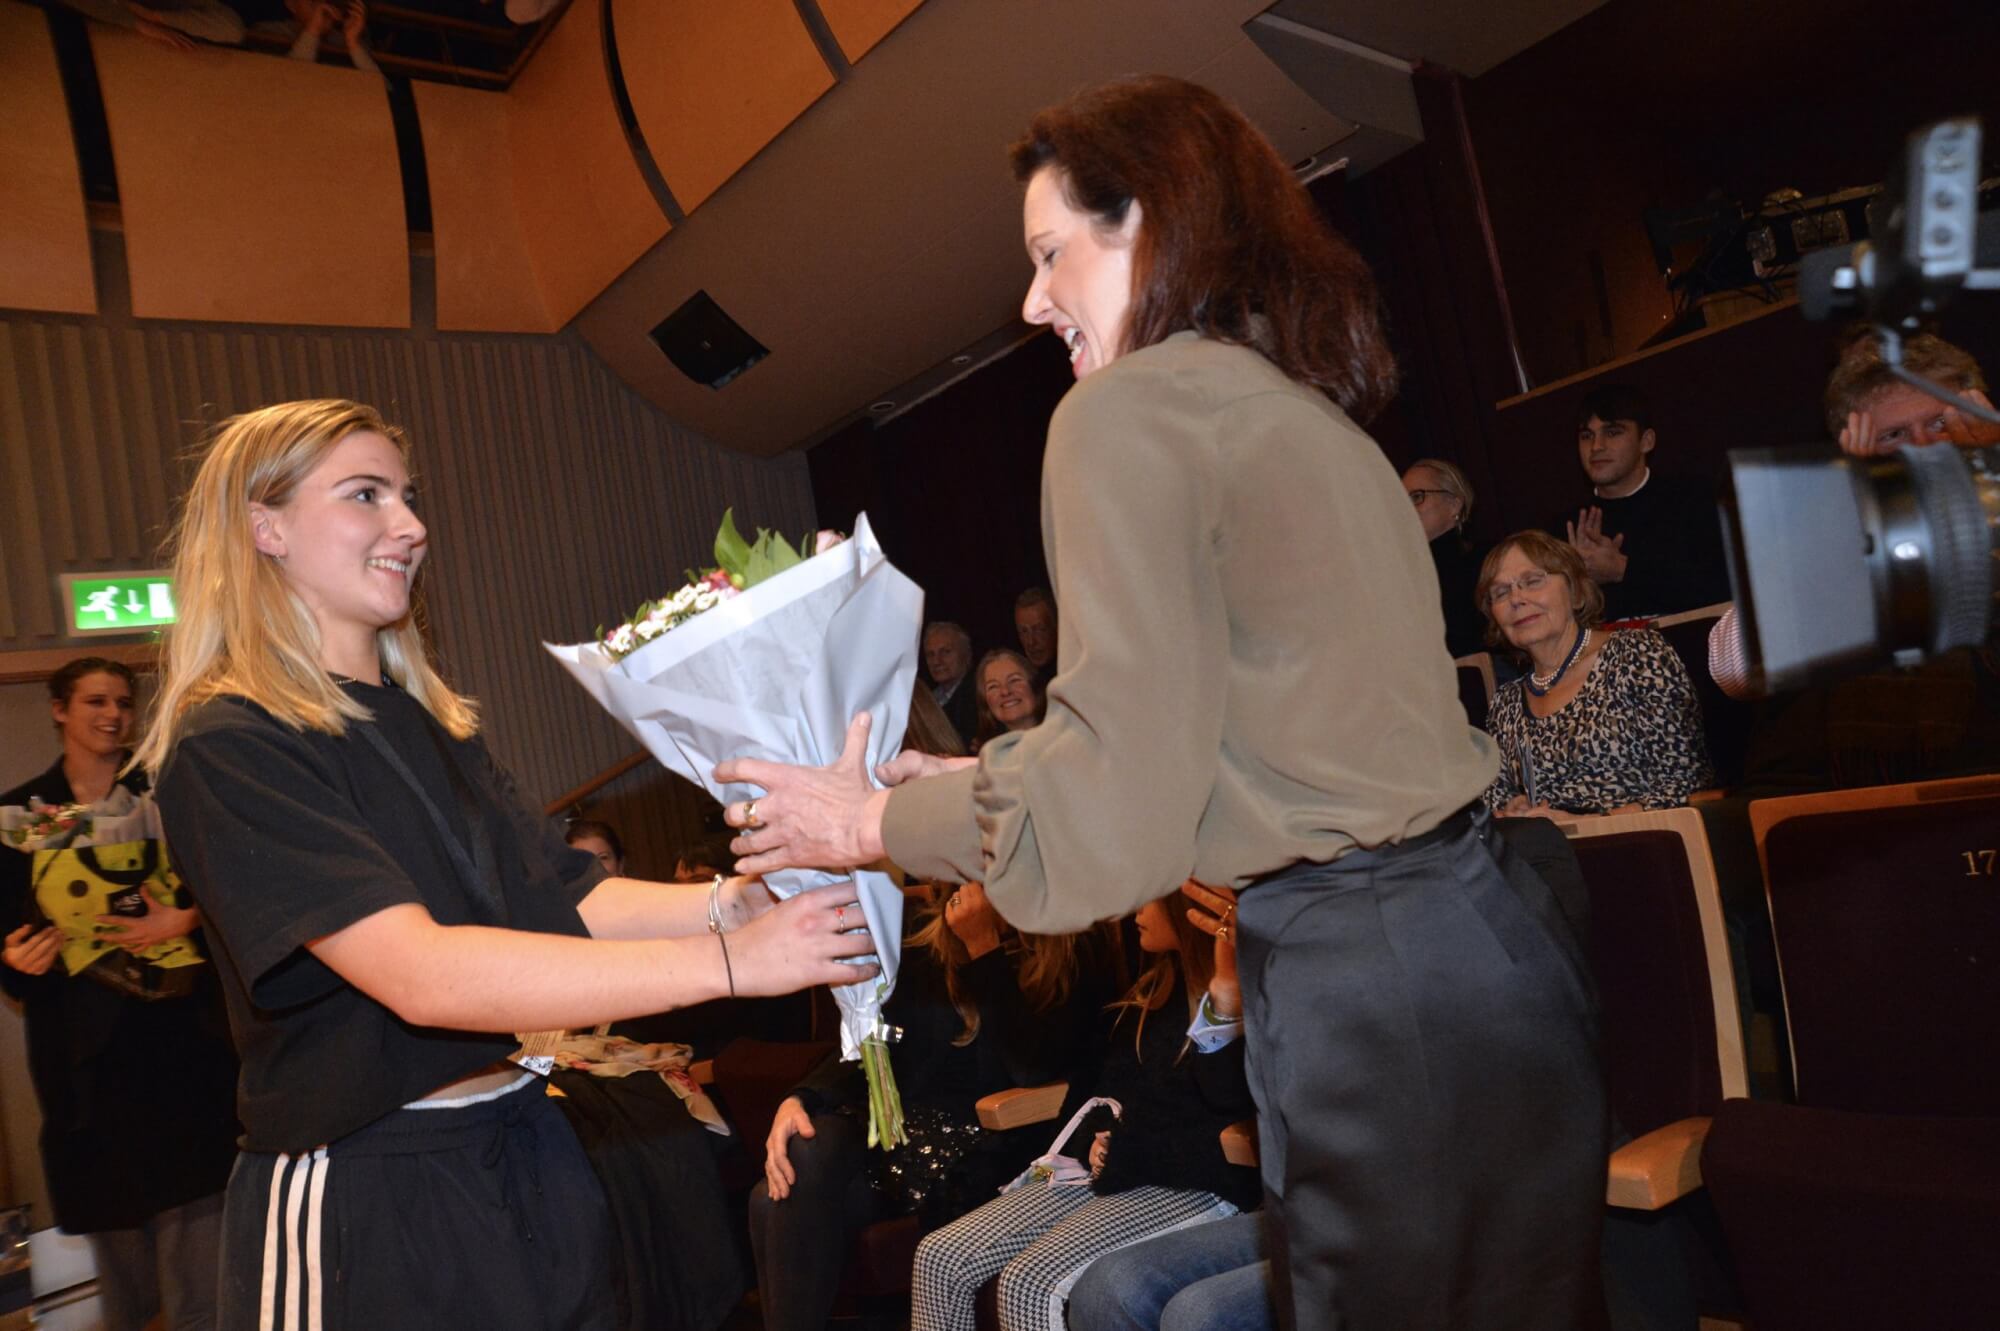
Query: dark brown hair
[
  {"x": 929, "y": 729},
  {"x": 1548, "y": 554},
  {"x": 64, "y": 681},
  {"x": 1229, "y": 243},
  {"x": 1861, "y": 374}
]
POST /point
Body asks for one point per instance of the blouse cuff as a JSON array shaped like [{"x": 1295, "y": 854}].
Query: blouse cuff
[
  {"x": 1208, "y": 1032},
  {"x": 930, "y": 830}
]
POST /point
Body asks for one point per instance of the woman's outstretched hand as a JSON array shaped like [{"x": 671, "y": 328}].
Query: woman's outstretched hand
[
  {"x": 800, "y": 943},
  {"x": 808, "y": 817}
]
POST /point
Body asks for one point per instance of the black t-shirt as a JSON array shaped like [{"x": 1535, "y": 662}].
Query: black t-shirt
[
  {"x": 287, "y": 836},
  {"x": 1673, "y": 547}
]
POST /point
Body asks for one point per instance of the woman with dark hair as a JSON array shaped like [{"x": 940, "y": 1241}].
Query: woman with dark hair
[
  {"x": 1603, "y": 722},
  {"x": 1008, "y": 693},
  {"x": 1422, "y": 1042},
  {"x": 598, "y": 838},
  {"x": 136, "y": 1079}
]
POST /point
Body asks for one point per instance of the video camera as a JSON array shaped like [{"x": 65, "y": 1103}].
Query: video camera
[{"x": 1839, "y": 563}]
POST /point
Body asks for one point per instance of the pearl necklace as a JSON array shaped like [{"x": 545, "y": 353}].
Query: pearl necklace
[{"x": 1540, "y": 685}]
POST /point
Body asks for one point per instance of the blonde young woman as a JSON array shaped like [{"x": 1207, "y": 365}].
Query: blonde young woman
[{"x": 386, "y": 912}]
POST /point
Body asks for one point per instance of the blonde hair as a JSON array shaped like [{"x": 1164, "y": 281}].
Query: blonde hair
[
  {"x": 1452, "y": 480},
  {"x": 242, "y": 631}
]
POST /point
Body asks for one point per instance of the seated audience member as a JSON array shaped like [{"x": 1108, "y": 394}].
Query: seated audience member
[
  {"x": 948, "y": 662},
  {"x": 1443, "y": 500},
  {"x": 175, "y": 24},
  {"x": 1213, "y": 1277},
  {"x": 1603, "y": 722},
  {"x": 983, "y": 1009},
  {"x": 1652, "y": 543},
  {"x": 1154, "y": 1165},
  {"x": 1035, "y": 625},
  {"x": 1010, "y": 695},
  {"x": 601, "y": 840}
]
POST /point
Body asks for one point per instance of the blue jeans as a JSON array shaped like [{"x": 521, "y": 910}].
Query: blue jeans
[{"x": 1212, "y": 1277}]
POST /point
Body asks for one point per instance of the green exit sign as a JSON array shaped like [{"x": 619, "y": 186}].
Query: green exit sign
[{"x": 118, "y": 602}]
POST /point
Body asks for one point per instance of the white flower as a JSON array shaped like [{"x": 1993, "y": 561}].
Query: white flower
[
  {"x": 685, "y": 597},
  {"x": 621, "y": 639},
  {"x": 651, "y": 628}
]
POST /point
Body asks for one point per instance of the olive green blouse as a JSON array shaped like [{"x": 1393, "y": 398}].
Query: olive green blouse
[{"x": 1251, "y": 668}]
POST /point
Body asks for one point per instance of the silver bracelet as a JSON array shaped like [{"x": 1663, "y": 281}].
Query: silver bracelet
[{"x": 715, "y": 907}]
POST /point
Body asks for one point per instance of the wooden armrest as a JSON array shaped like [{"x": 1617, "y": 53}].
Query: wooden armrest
[
  {"x": 703, "y": 1071},
  {"x": 1239, "y": 1143},
  {"x": 1021, "y": 1106},
  {"x": 1663, "y": 1166}
]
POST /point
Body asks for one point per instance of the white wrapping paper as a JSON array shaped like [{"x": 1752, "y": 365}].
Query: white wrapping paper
[{"x": 777, "y": 673}]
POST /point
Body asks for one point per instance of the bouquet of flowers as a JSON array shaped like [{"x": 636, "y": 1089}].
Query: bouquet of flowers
[
  {"x": 38, "y": 825},
  {"x": 770, "y": 654}
]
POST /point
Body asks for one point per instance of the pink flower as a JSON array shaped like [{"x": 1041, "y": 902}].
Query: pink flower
[{"x": 826, "y": 540}]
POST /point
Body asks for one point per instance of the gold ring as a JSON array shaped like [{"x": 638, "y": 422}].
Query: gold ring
[
  {"x": 750, "y": 816},
  {"x": 1222, "y": 932}
]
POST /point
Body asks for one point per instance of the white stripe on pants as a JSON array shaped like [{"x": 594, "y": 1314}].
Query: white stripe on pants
[
  {"x": 1036, "y": 1239},
  {"x": 296, "y": 1306}
]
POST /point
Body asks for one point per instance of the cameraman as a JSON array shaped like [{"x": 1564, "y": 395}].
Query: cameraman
[{"x": 1873, "y": 413}]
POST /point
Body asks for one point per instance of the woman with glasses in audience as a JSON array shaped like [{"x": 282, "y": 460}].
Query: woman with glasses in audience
[
  {"x": 1602, "y": 722},
  {"x": 387, "y": 912},
  {"x": 1251, "y": 688},
  {"x": 1443, "y": 500}
]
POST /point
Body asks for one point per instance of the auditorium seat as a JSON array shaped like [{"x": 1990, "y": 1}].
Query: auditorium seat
[
  {"x": 1673, "y": 1044},
  {"x": 1875, "y": 1201},
  {"x": 1725, "y": 721}
]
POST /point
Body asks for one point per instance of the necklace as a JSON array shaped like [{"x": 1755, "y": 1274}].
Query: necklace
[{"x": 1539, "y": 685}]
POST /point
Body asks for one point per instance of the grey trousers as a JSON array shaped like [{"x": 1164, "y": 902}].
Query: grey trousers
[
  {"x": 170, "y": 1265},
  {"x": 1422, "y": 1049}
]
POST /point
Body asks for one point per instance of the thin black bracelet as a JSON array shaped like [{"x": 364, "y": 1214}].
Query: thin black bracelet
[{"x": 728, "y": 970}]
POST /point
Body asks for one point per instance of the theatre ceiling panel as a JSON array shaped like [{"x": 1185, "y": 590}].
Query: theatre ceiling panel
[
  {"x": 485, "y": 275},
  {"x": 858, "y": 24},
  {"x": 586, "y": 211},
  {"x": 712, "y": 84},
  {"x": 254, "y": 190},
  {"x": 44, "y": 237}
]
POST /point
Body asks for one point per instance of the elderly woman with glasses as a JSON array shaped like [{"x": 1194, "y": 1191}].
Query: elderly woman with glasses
[
  {"x": 1443, "y": 500},
  {"x": 1602, "y": 722}
]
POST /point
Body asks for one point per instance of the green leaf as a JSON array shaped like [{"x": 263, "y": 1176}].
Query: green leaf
[
  {"x": 770, "y": 556},
  {"x": 732, "y": 552}
]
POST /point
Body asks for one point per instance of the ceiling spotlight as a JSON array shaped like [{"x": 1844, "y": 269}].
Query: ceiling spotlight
[
  {"x": 962, "y": 358},
  {"x": 882, "y": 407}
]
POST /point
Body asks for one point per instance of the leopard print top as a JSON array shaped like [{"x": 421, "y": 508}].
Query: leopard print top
[{"x": 1631, "y": 735}]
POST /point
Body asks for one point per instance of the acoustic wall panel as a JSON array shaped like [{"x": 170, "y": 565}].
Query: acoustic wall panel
[
  {"x": 711, "y": 84},
  {"x": 44, "y": 237},
  {"x": 555, "y": 496},
  {"x": 485, "y": 277},
  {"x": 859, "y": 24},
  {"x": 254, "y": 190},
  {"x": 586, "y": 211}
]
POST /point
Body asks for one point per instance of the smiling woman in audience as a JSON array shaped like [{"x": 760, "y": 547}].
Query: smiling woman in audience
[
  {"x": 1008, "y": 697},
  {"x": 1603, "y": 722}
]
